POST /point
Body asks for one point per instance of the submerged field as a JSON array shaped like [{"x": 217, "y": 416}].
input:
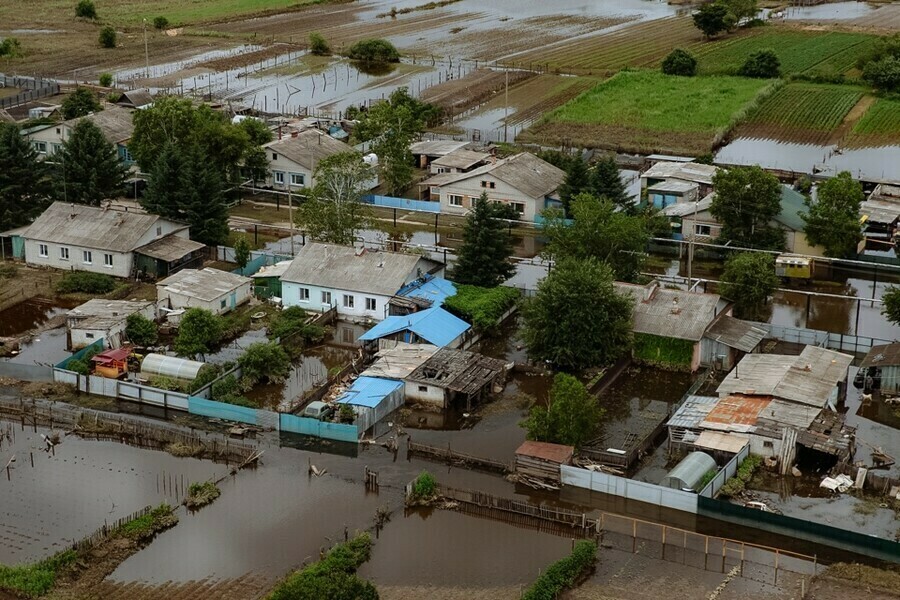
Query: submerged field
[{"x": 647, "y": 111}]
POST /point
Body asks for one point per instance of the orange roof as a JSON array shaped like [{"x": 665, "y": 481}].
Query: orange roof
[
  {"x": 556, "y": 453},
  {"x": 738, "y": 409}
]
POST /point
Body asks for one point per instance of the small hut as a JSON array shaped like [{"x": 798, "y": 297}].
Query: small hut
[
  {"x": 880, "y": 369},
  {"x": 542, "y": 460},
  {"x": 688, "y": 474},
  {"x": 112, "y": 364}
]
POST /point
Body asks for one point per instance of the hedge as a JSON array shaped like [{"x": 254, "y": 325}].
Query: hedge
[
  {"x": 663, "y": 351},
  {"x": 482, "y": 307},
  {"x": 333, "y": 577},
  {"x": 85, "y": 282},
  {"x": 563, "y": 573}
]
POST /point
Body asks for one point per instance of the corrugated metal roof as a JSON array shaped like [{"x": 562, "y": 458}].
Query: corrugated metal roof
[
  {"x": 400, "y": 361},
  {"x": 433, "y": 289},
  {"x": 684, "y": 209},
  {"x": 671, "y": 313},
  {"x": 886, "y": 355},
  {"x": 880, "y": 211},
  {"x": 534, "y": 177},
  {"x": 277, "y": 270},
  {"x": 735, "y": 333},
  {"x": 555, "y": 453},
  {"x": 348, "y": 268},
  {"x": 673, "y": 186},
  {"x": 724, "y": 442},
  {"x": 793, "y": 204},
  {"x": 204, "y": 284},
  {"x": 886, "y": 192},
  {"x": 115, "y": 123},
  {"x": 436, "y": 147},
  {"x": 434, "y": 325},
  {"x": 461, "y": 159},
  {"x": 170, "y": 248},
  {"x": 736, "y": 413},
  {"x": 103, "y": 314},
  {"x": 692, "y": 411},
  {"x": 680, "y": 170},
  {"x": 90, "y": 227},
  {"x": 308, "y": 148},
  {"x": 368, "y": 391}
]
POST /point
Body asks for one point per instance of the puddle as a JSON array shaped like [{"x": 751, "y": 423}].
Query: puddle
[
  {"x": 48, "y": 348},
  {"x": 32, "y": 313},
  {"x": 837, "y": 11}
]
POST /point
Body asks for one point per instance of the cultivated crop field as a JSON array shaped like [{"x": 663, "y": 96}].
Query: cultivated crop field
[
  {"x": 799, "y": 51},
  {"x": 802, "y": 112},
  {"x": 880, "y": 126},
  {"x": 647, "y": 111}
]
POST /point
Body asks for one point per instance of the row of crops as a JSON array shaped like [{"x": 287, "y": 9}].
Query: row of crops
[{"x": 808, "y": 106}]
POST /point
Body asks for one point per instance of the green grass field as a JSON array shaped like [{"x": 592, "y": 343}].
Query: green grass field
[
  {"x": 799, "y": 51},
  {"x": 808, "y": 106},
  {"x": 185, "y": 12},
  {"x": 883, "y": 118}
]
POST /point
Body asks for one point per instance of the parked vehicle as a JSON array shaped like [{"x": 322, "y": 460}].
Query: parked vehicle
[
  {"x": 791, "y": 266},
  {"x": 319, "y": 410}
]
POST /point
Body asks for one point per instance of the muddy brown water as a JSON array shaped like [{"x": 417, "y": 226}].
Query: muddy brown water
[{"x": 32, "y": 313}]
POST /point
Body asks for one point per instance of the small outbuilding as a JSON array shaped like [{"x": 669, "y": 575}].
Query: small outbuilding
[
  {"x": 267, "y": 281},
  {"x": 541, "y": 460},
  {"x": 216, "y": 291},
  {"x": 113, "y": 363},
  {"x": 880, "y": 369},
  {"x": 103, "y": 319},
  {"x": 166, "y": 256},
  {"x": 688, "y": 474},
  {"x": 170, "y": 366},
  {"x": 449, "y": 375},
  {"x": 372, "y": 399},
  {"x": 430, "y": 326}
]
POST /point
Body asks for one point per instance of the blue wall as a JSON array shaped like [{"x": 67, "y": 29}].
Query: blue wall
[
  {"x": 322, "y": 429},
  {"x": 404, "y": 203},
  {"x": 221, "y": 410}
]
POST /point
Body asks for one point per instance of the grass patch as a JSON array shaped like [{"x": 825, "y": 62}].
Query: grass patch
[
  {"x": 334, "y": 576},
  {"x": 201, "y": 494},
  {"x": 184, "y": 13},
  {"x": 879, "y": 126},
  {"x": 145, "y": 527},
  {"x": 35, "y": 580},
  {"x": 738, "y": 483},
  {"x": 564, "y": 573},
  {"x": 663, "y": 352},
  {"x": 482, "y": 307}
]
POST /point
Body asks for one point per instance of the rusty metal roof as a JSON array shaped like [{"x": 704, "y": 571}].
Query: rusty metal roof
[
  {"x": 736, "y": 413},
  {"x": 555, "y": 453}
]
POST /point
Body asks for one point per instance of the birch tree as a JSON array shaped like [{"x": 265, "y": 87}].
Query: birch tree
[{"x": 334, "y": 211}]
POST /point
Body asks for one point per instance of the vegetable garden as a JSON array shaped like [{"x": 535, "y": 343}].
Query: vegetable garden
[{"x": 880, "y": 126}]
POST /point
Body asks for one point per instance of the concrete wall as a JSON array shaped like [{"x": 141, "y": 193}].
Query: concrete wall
[
  {"x": 431, "y": 395},
  {"x": 121, "y": 267},
  {"x": 629, "y": 488},
  {"x": 470, "y": 190}
]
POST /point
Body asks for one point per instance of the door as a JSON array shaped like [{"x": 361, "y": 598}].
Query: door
[{"x": 233, "y": 299}]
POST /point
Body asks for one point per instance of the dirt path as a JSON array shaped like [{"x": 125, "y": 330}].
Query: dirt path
[{"x": 850, "y": 119}]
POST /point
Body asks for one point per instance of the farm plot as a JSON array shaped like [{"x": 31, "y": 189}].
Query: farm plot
[
  {"x": 647, "y": 112},
  {"x": 802, "y": 112},
  {"x": 458, "y": 95},
  {"x": 638, "y": 45},
  {"x": 813, "y": 52},
  {"x": 880, "y": 126}
]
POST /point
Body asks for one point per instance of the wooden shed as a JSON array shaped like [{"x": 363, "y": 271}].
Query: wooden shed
[{"x": 541, "y": 460}]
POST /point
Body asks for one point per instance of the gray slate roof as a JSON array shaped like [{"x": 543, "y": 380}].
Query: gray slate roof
[
  {"x": 886, "y": 355},
  {"x": 115, "y": 123},
  {"x": 735, "y": 333},
  {"x": 347, "y": 268},
  {"x": 170, "y": 248},
  {"x": 687, "y": 209},
  {"x": 307, "y": 147},
  {"x": 696, "y": 172},
  {"x": 525, "y": 172},
  {"x": 103, "y": 314},
  {"x": 90, "y": 227},
  {"x": 671, "y": 313},
  {"x": 203, "y": 284},
  {"x": 136, "y": 98},
  {"x": 461, "y": 159},
  {"x": 436, "y": 147}
]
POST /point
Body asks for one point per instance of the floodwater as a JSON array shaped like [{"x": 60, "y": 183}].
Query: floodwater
[
  {"x": 71, "y": 493},
  {"x": 873, "y": 428},
  {"x": 872, "y": 164},
  {"x": 836, "y": 11},
  {"x": 47, "y": 348},
  {"x": 30, "y": 314}
]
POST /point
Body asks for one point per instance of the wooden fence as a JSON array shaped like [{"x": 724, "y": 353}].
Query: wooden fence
[
  {"x": 106, "y": 530},
  {"x": 447, "y": 455}
]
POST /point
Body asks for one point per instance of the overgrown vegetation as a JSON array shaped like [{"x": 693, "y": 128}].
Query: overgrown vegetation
[
  {"x": 571, "y": 417},
  {"x": 11, "y": 47},
  {"x": 317, "y": 45},
  {"x": 85, "y": 283},
  {"x": 374, "y": 51},
  {"x": 201, "y": 494},
  {"x": 482, "y": 307},
  {"x": 106, "y": 79},
  {"x": 228, "y": 390},
  {"x": 748, "y": 280},
  {"x": 333, "y": 577},
  {"x": 564, "y": 573},
  {"x": 424, "y": 488},
  {"x": 762, "y": 64},
  {"x": 107, "y": 37},
  {"x": 36, "y": 579},
  {"x": 707, "y": 477},
  {"x": 734, "y": 486},
  {"x": 662, "y": 351},
  {"x": 263, "y": 361},
  {"x": 160, "y": 22},
  {"x": 146, "y": 527},
  {"x": 85, "y": 9},
  {"x": 680, "y": 62},
  {"x": 292, "y": 322},
  {"x": 198, "y": 332},
  {"x": 79, "y": 103},
  {"x": 140, "y": 330}
]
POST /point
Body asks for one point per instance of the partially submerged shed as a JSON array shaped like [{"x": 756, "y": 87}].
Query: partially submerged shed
[
  {"x": 688, "y": 474},
  {"x": 103, "y": 319},
  {"x": 542, "y": 460},
  {"x": 880, "y": 369},
  {"x": 727, "y": 340},
  {"x": 372, "y": 399},
  {"x": 449, "y": 375}
]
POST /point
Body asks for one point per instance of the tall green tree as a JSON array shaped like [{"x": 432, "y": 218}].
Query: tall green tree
[
  {"x": 742, "y": 9},
  {"x": 241, "y": 252},
  {"x": 198, "y": 333},
  {"x": 833, "y": 219},
  {"x": 577, "y": 181},
  {"x": 890, "y": 307},
  {"x": 746, "y": 201},
  {"x": 79, "y": 103},
  {"x": 334, "y": 211},
  {"x": 484, "y": 257},
  {"x": 749, "y": 280},
  {"x": 90, "y": 167},
  {"x": 25, "y": 184},
  {"x": 170, "y": 120},
  {"x": 140, "y": 330},
  {"x": 713, "y": 18},
  {"x": 606, "y": 182},
  {"x": 571, "y": 417},
  {"x": 257, "y": 131},
  {"x": 577, "y": 319},
  {"x": 599, "y": 231}
]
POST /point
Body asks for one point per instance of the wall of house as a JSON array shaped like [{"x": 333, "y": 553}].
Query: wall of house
[
  {"x": 285, "y": 166},
  {"x": 701, "y": 218},
  {"x": 121, "y": 267},
  {"x": 49, "y": 139},
  {"x": 162, "y": 228},
  {"x": 470, "y": 190},
  {"x": 425, "y": 394},
  {"x": 290, "y": 296},
  {"x": 764, "y": 446}
]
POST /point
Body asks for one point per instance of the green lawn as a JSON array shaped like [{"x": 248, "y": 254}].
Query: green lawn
[
  {"x": 651, "y": 100},
  {"x": 185, "y": 12},
  {"x": 799, "y": 51}
]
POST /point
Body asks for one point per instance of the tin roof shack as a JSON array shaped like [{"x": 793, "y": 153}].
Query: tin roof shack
[
  {"x": 372, "y": 399},
  {"x": 112, "y": 364},
  {"x": 727, "y": 340},
  {"x": 216, "y": 291},
  {"x": 688, "y": 474},
  {"x": 541, "y": 460},
  {"x": 670, "y": 324},
  {"x": 135, "y": 99},
  {"x": 682, "y": 172},
  {"x": 449, "y": 375},
  {"x": 103, "y": 319},
  {"x": 430, "y": 326},
  {"x": 267, "y": 281},
  {"x": 166, "y": 256},
  {"x": 424, "y": 153},
  {"x": 459, "y": 161},
  {"x": 424, "y": 292},
  {"x": 668, "y": 193},
  {"x": 880, "y": 212},
  {"x": 880, "y": 369}
]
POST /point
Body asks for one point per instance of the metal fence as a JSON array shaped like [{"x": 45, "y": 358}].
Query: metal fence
[
  {"x": 25, "y": 372},
  {"x": 641, "y": 491},
  {"x": 841, "y": 342},
  {"x": 125, "y": 390},
  {"x": 404, "y": 203},
  {"x": 32, "y": 89},
  {"x": 725, "y": 473}
]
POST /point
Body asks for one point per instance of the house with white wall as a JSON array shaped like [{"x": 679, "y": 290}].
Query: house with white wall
[
  {"x": 358, "y": 282},
  {"x": 114, "y": 122},
  {"x": 293, "y": 159},
  {"x": 217, "y": 291},
  {"x": 75, "y": 237},
  {"x": 523, "y": 181},
  {"x": 103, "y": 319}
]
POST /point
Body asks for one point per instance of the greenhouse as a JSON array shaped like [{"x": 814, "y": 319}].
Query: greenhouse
[{"x": 170, "y": 366}]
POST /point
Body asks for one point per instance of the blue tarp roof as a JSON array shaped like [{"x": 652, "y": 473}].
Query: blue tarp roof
[
  {"x": 369, "y": 391},
  {"x": 435, "y": 289},
  {"x": 434, "y": 325}
]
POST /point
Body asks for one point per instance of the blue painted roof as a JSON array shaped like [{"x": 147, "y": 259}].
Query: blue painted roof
[
  {"x": 435, "y": 289},
  {"x": 434, "y": 325},
  {"x": 369, "y": 391}
]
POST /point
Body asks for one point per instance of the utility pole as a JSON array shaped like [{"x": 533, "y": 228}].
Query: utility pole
[
  {"x": 691, "y": 244},
  {"x": 506, "y": 108},
  {"x": 291, "y": 215},
  {"x": 146, "y": 53}
]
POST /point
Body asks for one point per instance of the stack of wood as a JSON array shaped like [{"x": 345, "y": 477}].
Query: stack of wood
[{"x": 541, "y": 460}]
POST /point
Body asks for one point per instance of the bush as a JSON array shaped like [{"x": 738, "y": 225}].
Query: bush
[
  {"x": 228, "y": 390},
  {"x": 563, "y": 573},
  {"x": 147, "y": 526},
  {"x": 140, "y": 330},
  {"x": 108, "y": 37},
  {"x": 201, "y": 494},
  {"x": 482, "y": 307},
  {"x": 206, "y": 375},
  {"x": 737, "y": 484},
  {"x": 85, "y": 9},
  {"x": 374, "y": 51},
  {"x": 160, "y": 22},
  {"x": 35, "y": 580},
  {"x": 883, "y": 74},
  {"x": 165, "y": 383},
  {"x": 198, "y": 332},
  {"x": 762, "y": 64},
  {"x": 264, "y": 360},
  {"x": 79, "y": 103},
  {"x": 332, "y": 577},
  {"x": 317, "y": 45},
  {"x": 11, "y": 48},
  {"x": 292, "y": 321},
  {"x": 680, "y": 62},
  {"x": 424, "y": 487},
  {"x": 663, "y": 351},
  {"x": 85, "y": 283},
  {"x": 106, "y": 79}
]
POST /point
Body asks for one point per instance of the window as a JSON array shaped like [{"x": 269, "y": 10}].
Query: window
[
  {"x": 279, "y": 177},
  {"x": 107, "y": 260},
  {"x": 89, "y": 336},
  {"x": 454, "y": 200},
  {"x": 274, "y": 156},
  {"x": 519, "y": 207},
  {"x": 159, "y": 230},
  {"x": 370, "y": 303},
  {"x": 88, "y": 257},
  {"x": 702, "y": 230},
  {"x": 298, "y": 179},
  {"x": 222, "y": 303},
  {"x": 58, "y": 131},
  {"x": 43, "y": 251},
  {"x": 436, "y": 192},
  {"x": 326, "y": 298},
  {"x": 768, "y": 445},
  {"x": 348, "y": 301},
  {"x": 423, "y": 388},
  {"x": 443, "y": 170},
  {"x": 488, "y": 184},
  {"x": 304, "y": 294},
  {"x": 41, "y": 147},
  {"x": 347, "y": 335},
  {"x": 56, "y": 147},
  {"x": 64, "y": 253}
]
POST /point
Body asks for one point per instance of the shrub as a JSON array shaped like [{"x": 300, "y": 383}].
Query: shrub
[
  {"x": 883, "y": 74},
  {"x": 332, "y": 577},
  {"x": 317, "y": 45},
  {"x": 663, "y": 351},
  {"x": 108, "y": 37},
  {"x": 264, "y": 360},
  {"x": 198, "y": 332},
  {"x": 79, "y": 365},
  {"x": 164, "y": 383},
  {"x": 228, "y": 390},
  {"x": 292, "y": 321},
  {"x": 160, "y": 22},
  {"x": 738, "y": 483},
  {"x": 37, "y": 579},
  {"x": 86, "y": 283},
  {"x": 79, "y": 103},
  {"x": 11, "y": 48},
  {"x": 762, "y": 64},
  {"x": 482, "y": 307},
  {"x": 85, "y": 9},
  {"x": 424, "y": 486},
  {"x": 680, "y": 62},
  {"x": 106, "y": 79},
  {"x": 201, "y": 494},
  {"x": 563, "y": 573},
  {"x": 140, "y": 330},
  {"x": 374, "y": 51},
  {"x": 207, "y": 374}
]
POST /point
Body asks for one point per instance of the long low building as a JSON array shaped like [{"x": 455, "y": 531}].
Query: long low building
[{"x": 216, "y": 291}]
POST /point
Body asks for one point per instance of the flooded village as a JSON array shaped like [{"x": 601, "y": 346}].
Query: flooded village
[{"x": 402, "y": 300}]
